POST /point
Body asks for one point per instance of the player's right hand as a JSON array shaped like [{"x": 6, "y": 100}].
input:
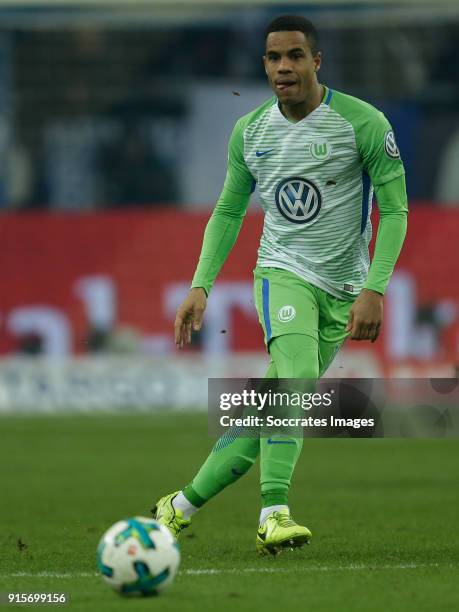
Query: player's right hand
[{"x": 189, "y": 316}]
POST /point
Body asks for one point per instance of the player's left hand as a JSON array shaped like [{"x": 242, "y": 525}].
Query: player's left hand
[{"x": 365, "y": 316}]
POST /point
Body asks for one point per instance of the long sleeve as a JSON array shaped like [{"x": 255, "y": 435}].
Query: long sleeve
[
  {"x": 223, "y": 227},
  {"x": 382, "y": 162},
  {"x": 393, "y": 209}
]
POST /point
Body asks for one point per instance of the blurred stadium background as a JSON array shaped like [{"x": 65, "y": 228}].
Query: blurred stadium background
[{"x": 114, "y": 121}]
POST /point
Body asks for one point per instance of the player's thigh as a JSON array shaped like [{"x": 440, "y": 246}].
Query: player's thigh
[
  {"x": 296, "y": 356},
  {"x": 271, "y": 371},
  {"x": 285, "y": 303},
  {"x": 334, "y": 316},
  {"x": 327, "y": 352}
]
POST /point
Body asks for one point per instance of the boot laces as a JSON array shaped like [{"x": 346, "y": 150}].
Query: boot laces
[{"x": 284, "y": 520}]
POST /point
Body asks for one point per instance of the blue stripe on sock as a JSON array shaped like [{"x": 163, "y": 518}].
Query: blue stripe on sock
[{"x": 266, "y": 309}]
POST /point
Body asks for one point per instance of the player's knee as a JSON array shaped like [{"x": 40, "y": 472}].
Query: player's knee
[
  {"x": 296, "y": 356},
  {"x": 308, "y": 371},
  {"x": 304, "y": 367}
]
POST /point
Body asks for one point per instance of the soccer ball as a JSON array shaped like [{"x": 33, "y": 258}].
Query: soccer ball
[{"x": 138, "y": 556}]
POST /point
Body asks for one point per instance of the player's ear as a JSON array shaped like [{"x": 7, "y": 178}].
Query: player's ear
[
  {"x": 318, "y": 61},
  {"x": 264, "y": 63}
]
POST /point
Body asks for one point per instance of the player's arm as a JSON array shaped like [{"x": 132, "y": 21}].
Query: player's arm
[
  {"x": 393, "y": 211},
  {"x": 385, "y": 168},
  {"x": 219, "y": 237}
]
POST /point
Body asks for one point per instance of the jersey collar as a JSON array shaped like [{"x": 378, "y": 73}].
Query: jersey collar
[{"x": 328, "y": 93}]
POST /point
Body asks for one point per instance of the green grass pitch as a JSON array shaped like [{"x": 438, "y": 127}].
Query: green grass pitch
[{"x": 384, "y": 517}]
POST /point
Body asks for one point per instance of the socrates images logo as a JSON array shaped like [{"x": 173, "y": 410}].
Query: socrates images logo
[
  {"x": 286, "y": 314},
  {"x": 298, "y": 200},
  {"x": 320, "y": 149},
  {"x": 390, "y": 146}
]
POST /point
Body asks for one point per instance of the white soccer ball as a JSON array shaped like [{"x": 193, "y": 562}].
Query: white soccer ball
[{"x": 138, "y": 556}]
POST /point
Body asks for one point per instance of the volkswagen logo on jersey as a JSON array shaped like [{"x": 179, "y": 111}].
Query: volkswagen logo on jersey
[
  {"x": 390, "y": 146},
  {"x": 298, "y": 200}
]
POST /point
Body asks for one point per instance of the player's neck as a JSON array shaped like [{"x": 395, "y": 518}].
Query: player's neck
[{"x": 297, "y": 112}]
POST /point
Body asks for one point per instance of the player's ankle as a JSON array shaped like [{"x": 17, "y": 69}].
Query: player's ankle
[
  {"x": 265, "y": 512},
  {"x": 180, "y": 502},
  {"x": 274, "y": 497}
]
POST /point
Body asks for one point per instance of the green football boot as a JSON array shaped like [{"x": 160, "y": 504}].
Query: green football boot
[
  {"x": 279, "y": 532},
  {"x": 165, "y": 513}
]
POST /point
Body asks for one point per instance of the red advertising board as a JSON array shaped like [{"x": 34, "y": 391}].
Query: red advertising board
[{"x": 65, "y": 274}]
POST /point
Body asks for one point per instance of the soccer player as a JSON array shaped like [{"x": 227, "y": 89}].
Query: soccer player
[{"x": 316, "y": 155}]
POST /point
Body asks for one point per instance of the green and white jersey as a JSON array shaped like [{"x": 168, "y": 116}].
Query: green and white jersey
[{"x": 315, "y": 179}]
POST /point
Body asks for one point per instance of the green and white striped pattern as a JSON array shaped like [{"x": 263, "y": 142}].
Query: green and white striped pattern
[{"x": 329, "y": 152}]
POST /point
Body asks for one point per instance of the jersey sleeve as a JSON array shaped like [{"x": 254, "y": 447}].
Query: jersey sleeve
[
  {"x": 378, "y": 149},
  {"x": 238, "y": 177},
  {"x": 225, "y": 223},
  {"x": 393, "y": 211}
]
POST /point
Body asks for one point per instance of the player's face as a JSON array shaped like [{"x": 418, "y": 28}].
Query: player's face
[{"x": 290, "y": 66}]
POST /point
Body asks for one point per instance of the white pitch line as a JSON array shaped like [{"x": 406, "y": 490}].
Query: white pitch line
[
  {"x": 310, "y": 568},
  {"x": 50, "y": 575},
  {"x": 247, "y": 570}
]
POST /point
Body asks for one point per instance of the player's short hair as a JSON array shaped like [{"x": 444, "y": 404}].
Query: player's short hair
[{"x": 295, "y": 23}]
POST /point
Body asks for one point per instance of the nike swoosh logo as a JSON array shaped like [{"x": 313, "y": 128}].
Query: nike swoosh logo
[
  {"x": 262, "y": 534},
  {"x": 271, "y": 441},
  {"x": 261, "y": 153}
]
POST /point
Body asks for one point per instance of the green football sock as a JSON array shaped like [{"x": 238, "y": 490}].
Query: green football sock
[
  {"x": 295, "y": 356},
  {"x": 232, "y": 456}
]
